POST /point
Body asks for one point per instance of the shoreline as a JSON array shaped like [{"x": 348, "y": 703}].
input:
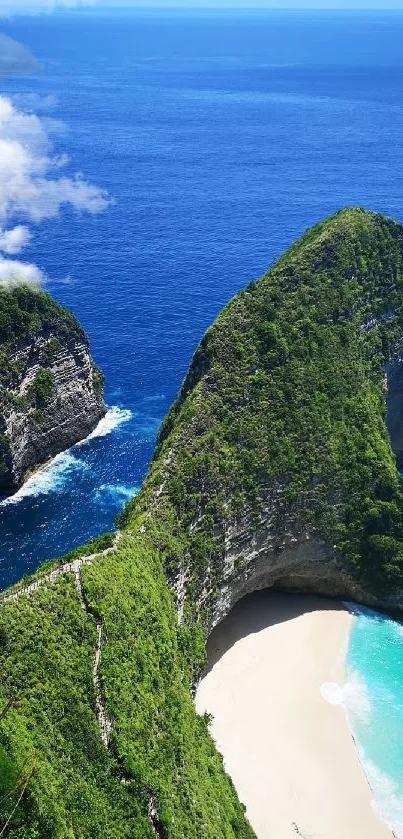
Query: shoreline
[
  {"x": 36, "y": 469},
  {"x": 6, "y": 494},
  {"x": 290, "y": 752},
  {"x": 40, "y": 467}
]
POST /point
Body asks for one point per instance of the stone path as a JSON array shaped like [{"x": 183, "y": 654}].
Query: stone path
[{"x": 105, "y": 724}]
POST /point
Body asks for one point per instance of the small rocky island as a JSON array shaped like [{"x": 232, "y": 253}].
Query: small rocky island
[{"x": 51, "y": 392}]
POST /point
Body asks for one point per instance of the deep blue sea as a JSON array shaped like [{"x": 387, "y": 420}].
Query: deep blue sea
[{"x": 220, "y": 137}]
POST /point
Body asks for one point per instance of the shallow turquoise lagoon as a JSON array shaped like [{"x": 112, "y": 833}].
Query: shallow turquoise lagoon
[{"x": 374, "y": 703}]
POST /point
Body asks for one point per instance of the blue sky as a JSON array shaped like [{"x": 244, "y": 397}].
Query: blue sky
[
  {"x": 33, "y": 5},
  {"x": 264, "y": 4}
]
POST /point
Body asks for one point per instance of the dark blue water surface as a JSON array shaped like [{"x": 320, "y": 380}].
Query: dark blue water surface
[{"x": 220, "y": 137}]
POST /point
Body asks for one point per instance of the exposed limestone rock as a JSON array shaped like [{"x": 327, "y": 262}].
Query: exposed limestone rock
[
  {"x": 277, "y": 463},
  {"x": 52, "y": 400},
  {"x": 394, "y": 386}
]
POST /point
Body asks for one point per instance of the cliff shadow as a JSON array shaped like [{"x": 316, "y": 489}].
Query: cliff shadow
[
  {"x": 394, "y": 408},
  {"x": 258, "y": 611}
]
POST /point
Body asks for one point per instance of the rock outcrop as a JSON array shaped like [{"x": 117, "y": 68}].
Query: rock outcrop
[
  {"x": 275, "y": 463},
  {"x": 274, "y": 467},
  {"x": 51, "y": 390}
]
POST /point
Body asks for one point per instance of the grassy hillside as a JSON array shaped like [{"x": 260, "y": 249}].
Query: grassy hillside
[
  {"x": 159, "y": 751},
  {"x": 286, "y": 390}
]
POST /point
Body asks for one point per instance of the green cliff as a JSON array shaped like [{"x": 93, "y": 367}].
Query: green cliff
[
  {"x": 50, "y": 389},
  {"x": 273, "y": 468}
]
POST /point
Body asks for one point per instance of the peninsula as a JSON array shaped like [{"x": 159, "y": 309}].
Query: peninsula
[{"x": 275, "y": 468}]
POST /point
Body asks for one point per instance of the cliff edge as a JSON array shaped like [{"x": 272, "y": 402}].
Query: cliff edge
[
  {"x": 277, "y": 466},
  {"x": 51, "y": 392}
]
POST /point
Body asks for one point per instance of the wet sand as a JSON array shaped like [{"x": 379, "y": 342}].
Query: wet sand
[{"x": 289, "y": 752}]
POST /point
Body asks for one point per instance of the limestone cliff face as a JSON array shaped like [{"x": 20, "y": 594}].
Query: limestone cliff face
[
  {"x": 275, "y": 552},
  {"x": 277, "y": 464},
  {"x": 280, "y": 550},
  {"x": 51, "y": 396},
  {"x": 294, "y": 559}
]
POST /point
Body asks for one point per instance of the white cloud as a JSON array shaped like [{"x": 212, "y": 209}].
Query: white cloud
[
  {"x": 32, "y": 186},
  {"x": 13, "y": 272},
  {"x": 15, "y": 240},
  {"x": 14, "y": 57},
  {"x": 28, "y": 186}
]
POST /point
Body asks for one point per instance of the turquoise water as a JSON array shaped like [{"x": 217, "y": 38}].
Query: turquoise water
[{"x": 373, "y": 696}]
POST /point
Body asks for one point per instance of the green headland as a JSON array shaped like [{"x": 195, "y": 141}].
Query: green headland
[{"x": 276, "y": 466}]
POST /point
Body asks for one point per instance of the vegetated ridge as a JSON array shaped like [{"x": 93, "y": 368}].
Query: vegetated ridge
[
  {"x": 50, "y": 389},
  {"x": 273, "y": 468}
]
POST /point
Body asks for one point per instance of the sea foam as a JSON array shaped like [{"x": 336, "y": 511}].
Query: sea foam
[
  {"x": 114, "y": 417},
  {"x": 51, "y": 478},
  {"x": 375, "y": 660},
  {"x": 352, "y": 696},
  {"x": 388, "y": 803},
  {"x": 54, "y": 476}
]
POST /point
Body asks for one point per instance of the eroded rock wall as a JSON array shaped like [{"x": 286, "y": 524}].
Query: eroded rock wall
[{"x": 39, "y": 422}]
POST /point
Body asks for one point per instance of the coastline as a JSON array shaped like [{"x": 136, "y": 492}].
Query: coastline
[
  {"x": 36, "y": 469},
  {"x": 101, "y": 429},
  {"x": 291, "y": 754}
]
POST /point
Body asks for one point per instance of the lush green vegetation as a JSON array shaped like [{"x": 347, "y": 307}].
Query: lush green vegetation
[
  {"x": 159, "y": 750},
  {"x": 24, "y": 311},
  {"x": 162, "y": 745},
  {"x": 285, "y": 390},
  {"x": 42, "y": 387},
  {"x": 76, "y": 790}
]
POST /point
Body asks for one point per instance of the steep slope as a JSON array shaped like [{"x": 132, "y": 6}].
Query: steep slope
[
  {"x": 159, "y": 774},
  {"x": 50, "y": 389},
  {"x": 275, "y": 463},
  {"x": 274, "y": 467}
]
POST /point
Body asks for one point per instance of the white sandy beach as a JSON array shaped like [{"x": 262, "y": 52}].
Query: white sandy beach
[{"x": 289, "y": 752}]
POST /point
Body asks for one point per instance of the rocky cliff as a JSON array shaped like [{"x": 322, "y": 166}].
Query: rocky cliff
[
  {"x": 275, "y": 463},
  {"x": 276, "y": 466},
  {"x": 50, "y": 389}
]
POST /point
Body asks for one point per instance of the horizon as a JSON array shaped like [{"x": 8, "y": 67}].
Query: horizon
[{"x": 17, "y": 7}]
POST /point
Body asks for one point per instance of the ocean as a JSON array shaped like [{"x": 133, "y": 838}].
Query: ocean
[{"x": 220, "y": 137}]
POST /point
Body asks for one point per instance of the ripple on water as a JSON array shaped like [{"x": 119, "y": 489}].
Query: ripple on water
[{"x": 375, "y": 709}]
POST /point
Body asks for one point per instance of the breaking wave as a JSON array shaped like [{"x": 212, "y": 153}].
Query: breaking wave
[
  {"x": 373, "y": 699},
  {"x": 352, "y": 696},
  {"x": 57, "y": 473},
  {"x": 388, "y": 803},
  {"x": 50, "y": 478},
  {"x": 114, "y": 417}
]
